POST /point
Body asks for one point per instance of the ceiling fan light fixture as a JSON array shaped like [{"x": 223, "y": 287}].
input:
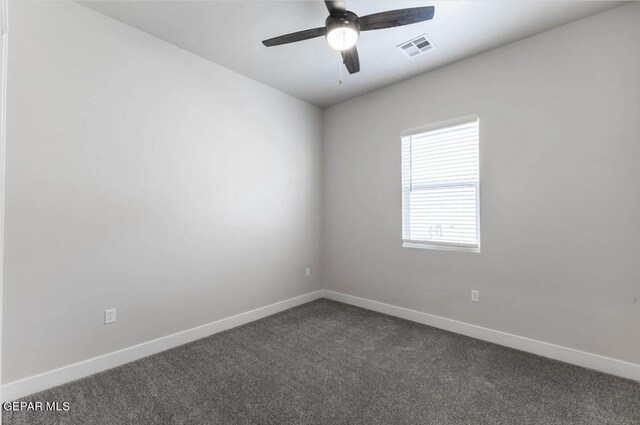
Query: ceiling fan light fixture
[{"x": 342, "y": 35}]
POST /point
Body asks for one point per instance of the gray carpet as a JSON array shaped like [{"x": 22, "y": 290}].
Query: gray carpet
[{"x": 329, "y": 363}]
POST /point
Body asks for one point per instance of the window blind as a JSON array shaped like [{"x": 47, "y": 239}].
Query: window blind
[{"x": 440, "y": 186}]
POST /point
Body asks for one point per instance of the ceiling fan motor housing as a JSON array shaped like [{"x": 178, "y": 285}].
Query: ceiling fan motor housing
[{"x": 341, "y": 19}]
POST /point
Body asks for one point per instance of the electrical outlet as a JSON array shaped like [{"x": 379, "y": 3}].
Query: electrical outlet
[
  {"x": 110, "y": 316},
  {"x": 475, "y": 296},
  {"x": 308, "y": 271}
]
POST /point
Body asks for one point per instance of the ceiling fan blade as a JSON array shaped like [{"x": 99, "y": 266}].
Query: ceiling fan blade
[
  {"x": 335, "y": 5},
  {"x": 351, "y": 60},
  {"x": 395, "y": 18},
  {"x": 295, "y": 36}
]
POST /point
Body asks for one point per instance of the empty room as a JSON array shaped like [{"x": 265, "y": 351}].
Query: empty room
[{"x": 320, "y": 212}]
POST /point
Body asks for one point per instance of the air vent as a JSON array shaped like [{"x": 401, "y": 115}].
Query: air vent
[{"x": 417, "y": 46}]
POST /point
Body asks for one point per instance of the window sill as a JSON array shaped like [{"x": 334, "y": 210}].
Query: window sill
[{"x": 460, "y": 248}]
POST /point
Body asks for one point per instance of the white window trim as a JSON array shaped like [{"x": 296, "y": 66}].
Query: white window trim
[
  {"x": 445, "y": 246},
  {"x": 441, "y": 247},
  {"x": 434, "y": 126}
]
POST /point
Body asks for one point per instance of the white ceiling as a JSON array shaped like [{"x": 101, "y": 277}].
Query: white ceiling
[{"x": 230, "y": 32}]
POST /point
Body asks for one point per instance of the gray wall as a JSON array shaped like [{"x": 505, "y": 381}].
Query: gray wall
[
  {"x": 560, "y": 195},
  {"x": 144, "y": 178}
]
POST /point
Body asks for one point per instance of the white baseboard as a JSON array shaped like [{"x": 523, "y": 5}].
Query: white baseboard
[
  {"x": 568, "y": 355},
  {"x": 43, "y": 381}
]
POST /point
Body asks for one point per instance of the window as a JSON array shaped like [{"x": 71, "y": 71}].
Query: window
[{"x": 441, "y": 187}]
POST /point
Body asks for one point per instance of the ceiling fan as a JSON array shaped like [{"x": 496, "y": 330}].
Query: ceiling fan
[{"x": 342, "y": 28}]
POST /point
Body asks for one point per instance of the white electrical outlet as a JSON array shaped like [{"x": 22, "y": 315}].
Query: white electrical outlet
[
  {"x": 475, "y": 296},
  {"x": 308, "y": 271},
  {"x": 110, "y": 315}
]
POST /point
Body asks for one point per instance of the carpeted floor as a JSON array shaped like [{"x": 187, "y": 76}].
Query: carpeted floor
[{"x": 330, "y": 363}]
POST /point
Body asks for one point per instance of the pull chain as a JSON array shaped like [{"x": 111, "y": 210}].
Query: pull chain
[{"x": 339, "y": 73}]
